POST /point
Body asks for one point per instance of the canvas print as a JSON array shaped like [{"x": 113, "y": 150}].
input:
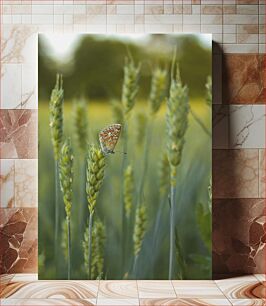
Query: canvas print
[{"x": 125, "y": 156}]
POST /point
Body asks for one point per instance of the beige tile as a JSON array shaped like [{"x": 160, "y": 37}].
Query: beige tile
[
  {"x": 248, "y": 302},
  {"x": 118, "y": 290},
  {"x": 7, "y": 183},
  {"x": 197, "y": 289},
  {"x": 261, "y": 277},
  {"x": 52, "y": 290},
  {"x": 48, "y": 302},
  {"x": 247, "y": 9},
  {"x": 247, "y": 38},
  {"x": 229, "y": 9},
  {"x": 247, "y": 29},
  {"x": 156, "y": 289},
  {"x": 240, "y": 48},
  {"x": 242, "y": 287},
  {"x": 184, "y": 302},
  {"x": 122, "y": 302},
  {"x": 211, "y": 9},
  {"x": 262, "y": 176}
]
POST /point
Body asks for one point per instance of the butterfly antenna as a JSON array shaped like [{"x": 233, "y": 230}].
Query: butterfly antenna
[{"x": 121, "y": 152}]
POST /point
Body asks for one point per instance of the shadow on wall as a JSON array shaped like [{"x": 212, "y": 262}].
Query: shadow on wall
[{"x": 239, "y": 216}]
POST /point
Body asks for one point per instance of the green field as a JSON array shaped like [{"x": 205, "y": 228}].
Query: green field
[{"x": 192, "y": 188}]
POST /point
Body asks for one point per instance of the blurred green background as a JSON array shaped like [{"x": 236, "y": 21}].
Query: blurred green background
[{"x": 92, "y": 66}]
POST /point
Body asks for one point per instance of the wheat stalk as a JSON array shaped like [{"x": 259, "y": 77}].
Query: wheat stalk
[
  {"x": 97, "y": 249},
  {"x": 56, "y": 130},
  {"x": 130, "y": 89},
  {"x": 141, "y": 124},
  {"x": 95, "y": 177},
  {"x": 157, "y": 96},
  {"x": 177, "y": 122},
  {"x": 140, "y": 228},
  {"x": 56, "y": 115},
  {"x": 130, "y": 85},
  {"x": 66, "y": 184},
  {"x": 128, "y": 190},
  {"x": 81, "y": 124},
  {"x": 158, "y": 89}
]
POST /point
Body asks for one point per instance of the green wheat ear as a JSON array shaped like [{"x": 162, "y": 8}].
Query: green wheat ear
[
  {"x": 95, "y": 175},
  {"x": 139, "y": 228},
  {"x": 97, "y": 249},
  {"x": 64, "y": 239},
  {"x": 130, "y": 85},
  {"x": 164, "y": 175},
  {"x": 177, "y": 122},
  {"x": 98, "y": 242},
  {"x": 56, "y": 115},
  {"x": 66, "y": 175},
  {"x": 141, "y": 130},
  {"x": 128, "y": 190},
  {"x": 158, "y": 89},
  {"x": 81, "y": 124}
]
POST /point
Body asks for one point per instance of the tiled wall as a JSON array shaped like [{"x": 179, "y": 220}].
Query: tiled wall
[{"x": 238, "y": 28}]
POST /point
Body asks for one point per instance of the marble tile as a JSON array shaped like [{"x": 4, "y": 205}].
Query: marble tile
[
  {"x": 242, "y": 290},
  {"x": 220, "y": 127},
  {"x": 25, "y": 277},
  {"x": 235, "y": 173},
  {"x": 51, "y": 290},
  {"x": 197, "y": 289},
  {"x": 262, "y": 171},
  {"x": 18, "y": 233},
  {"x": 156, "y": 289},
  {"x": 29, "y": 86},
  {"x": 260, "y": 277},
  {"x": 248, "y": 302},
  {"x": 122, "y": 302},
  {"x": 5, "y": 279},
  {"x": 118, "y": 290},
  {"x": 26, "y": 182},
  {"x": 7, "y": 183},
  {"x": 243, "y": 79},
  {"x": 238, "y": 238},
  {"x": 11, "y": 86},
  {"x": 18, "y": 129},
  {"x": 48, "y": 302},
  {"x": 184, "y": 302},
  {"x": 247, "y": 126},
  {"x": 19, "y": 44}
]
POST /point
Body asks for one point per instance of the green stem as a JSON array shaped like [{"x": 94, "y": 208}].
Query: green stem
[
  {"x": 172, "y": 231},
  {"x": 135, "y": 271},
  {"x": 81, "y": 192},
  {"x": 123, "y": 212},
  {"x": 145, "y": 161},
  {"x": 90, "y": 242},
  {"x": 56, "y": 240},
  {"x": 198, "y": 120},
  {"x": 156, "y": 229},
  {"x": 68, "y": 249}
]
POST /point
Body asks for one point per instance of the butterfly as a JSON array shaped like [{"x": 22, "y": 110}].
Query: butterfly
[{"x": 108, "y": 138}]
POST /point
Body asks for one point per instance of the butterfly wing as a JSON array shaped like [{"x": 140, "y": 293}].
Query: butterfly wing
[{"x": 109, "y": 137}]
